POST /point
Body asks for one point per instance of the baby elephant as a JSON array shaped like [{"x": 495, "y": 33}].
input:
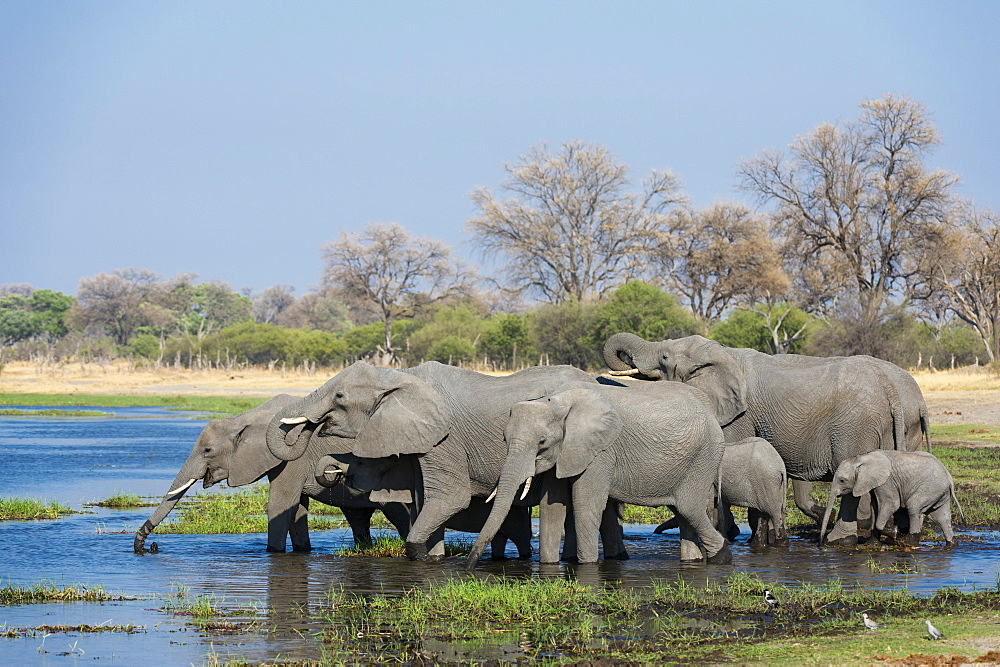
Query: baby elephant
[
  {"x": 916, "y": 481},
  {"x": 753, "y": 476}
]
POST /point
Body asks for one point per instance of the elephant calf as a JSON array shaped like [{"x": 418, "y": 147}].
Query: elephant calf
[
  {"x": 753, "y": 476},
  {"x": 916, "y": 481}
]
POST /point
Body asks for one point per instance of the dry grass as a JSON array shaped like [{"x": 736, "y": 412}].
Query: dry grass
[{"x": 969, "y": 378}]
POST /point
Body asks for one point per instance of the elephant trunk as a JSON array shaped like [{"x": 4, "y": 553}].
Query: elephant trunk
[
  {"x": 288, "y": 425},
  {"x": 511, "y": 477},
  {"x": 190, "y": 473},
  {"x": 620, "y": 349},
  {"x": 826, "y": 514}
]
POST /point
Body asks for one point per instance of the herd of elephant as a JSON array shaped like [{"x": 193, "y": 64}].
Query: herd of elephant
[{"x": 685, "y": 423}]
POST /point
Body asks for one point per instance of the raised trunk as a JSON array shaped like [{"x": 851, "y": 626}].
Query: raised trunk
[
  {"x": 511, "y": 477},
  {"x": 619, "y": 349},
  {"x": 826, "y": 515},
  {"x": 191, "y": 472},
  {"x": 289, "y": 425}
]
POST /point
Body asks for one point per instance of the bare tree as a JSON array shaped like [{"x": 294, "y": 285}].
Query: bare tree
[
  {"x": 969, "y": 275},
  {"x": 387, "y": 269},
  {"x": 113, "y": 302},
  {"x": 718, "y": 257},
  {"x": 854, "y": 201},
  {"x": 568, "y": 228},
  {"x": 272, "y": 302}
]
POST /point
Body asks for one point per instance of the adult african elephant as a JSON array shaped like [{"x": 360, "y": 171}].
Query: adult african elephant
[
  {"x": 450, "y": 419},
  {"x": 234, "y": 449},
  {"x": 654, "y": 445},
  {"x": 816, "y": 413}
]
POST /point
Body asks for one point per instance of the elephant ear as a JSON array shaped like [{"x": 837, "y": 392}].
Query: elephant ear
[
  {"x": 715, "y": 371},
  {"x": 872, "y": 471},
  {"x": 251, "y": 459},
  {"x": 408, "y": 417},
  {"x": 590, "y": 426}
]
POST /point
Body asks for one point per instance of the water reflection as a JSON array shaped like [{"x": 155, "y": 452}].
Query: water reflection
[{"x": 82, "y": 460}]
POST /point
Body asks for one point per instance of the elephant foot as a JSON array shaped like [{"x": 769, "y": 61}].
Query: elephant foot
[
  {"x": 416, "y": 551},
  {"x": 910, "y": 540},
  {"x": 301, "y": 549},
  {"x": 723, "y": 556},
  {"x": 757, "y": 540},
  {"x": 270, "y": 549},
  {"x": 844, "y": 541},
  {"x": 618, "y": 555},
  {"x": 951, "y": 544}
]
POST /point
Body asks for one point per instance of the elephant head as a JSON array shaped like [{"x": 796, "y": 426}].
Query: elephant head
[
  {"x": 562, "y": 431},
  {"x": 694, "y": 360},
  {"x": 385, "y": 411},
  {"x": 857, "y": 475},
  {"x": 231, "y": 449}
]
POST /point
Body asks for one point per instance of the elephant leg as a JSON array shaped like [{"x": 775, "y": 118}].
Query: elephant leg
[
  {"x": 299, "y": 530},
  {"x": 942, "y": 516},
  {"x": 728, "y": 525},
  {"x": 360, "y": 521},
  {"x": 401, "y": 516},
  {"x": 590, "y": 499},
  {"x": 612, "y": 534},
  {"x": 865, "y": 516},
  {"x": 690, "y": 551},
  {"x": 552, "y": 518},
  {"x": 517, "y": 528},
  {"x": 570, "y": 546},
  {"x": 672, "y": 522},
  {"x": 804, "y": 500},
  {"x": 845, "y": 530},
  {"x": 426, "y": 538},
  {"x": 498, "y": 546},
  {"x": 695, "y": 515},
  {"x": 758, "y": 527},
  {"x": 287, "y": 512}
]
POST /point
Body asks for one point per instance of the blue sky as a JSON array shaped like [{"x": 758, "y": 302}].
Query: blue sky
[{"x": 233, "y": 139}]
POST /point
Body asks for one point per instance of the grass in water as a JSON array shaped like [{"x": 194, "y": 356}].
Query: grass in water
[
  {"x": 122, "y": 500},
  {"x": 15, "y": 412},
  {"x": 24, "y": 509},
  {"x": 393, "y": 546},
  {"x": 226, "y": 405},
  {"x": 47, "y": 591},
  {"x": 670, "y": 622}
]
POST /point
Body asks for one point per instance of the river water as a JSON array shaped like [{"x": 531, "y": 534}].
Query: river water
[{"x": 83, "y": 460}]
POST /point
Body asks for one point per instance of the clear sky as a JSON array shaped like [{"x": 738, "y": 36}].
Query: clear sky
[{"x": 233, "y": 139}]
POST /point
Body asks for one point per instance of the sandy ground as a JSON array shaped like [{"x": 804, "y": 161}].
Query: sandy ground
[{"x": 962, "y": 396}]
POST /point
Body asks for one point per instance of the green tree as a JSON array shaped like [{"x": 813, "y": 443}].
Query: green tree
[
  {"x": 644, "y": 310},
  {"x": 450, "y": 322},
  {"x": 563, "y": 333},
  {"x": 749, "y": 328},
  {"x": 507, "y": 341}
]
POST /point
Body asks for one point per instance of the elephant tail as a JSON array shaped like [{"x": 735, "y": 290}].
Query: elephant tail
[
  {"x": 955, "y": 498},
  {"x": 897, "y": 413},
  {"x": 925, "y": 426}
]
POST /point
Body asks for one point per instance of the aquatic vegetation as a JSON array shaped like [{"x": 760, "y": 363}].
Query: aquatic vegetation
[
  {"x": 393, "y": 546},
  {"x": 52, "y": 412},
  {"x": 47, "y": 591},
  {"x": 225, "y": 405},
  {"x": 122, "y": 500},
  {"x": 24, "y": 509},
  {"x": 211, "y": 613}
]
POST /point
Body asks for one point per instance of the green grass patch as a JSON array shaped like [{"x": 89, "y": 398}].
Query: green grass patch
[
  {"x": 977, "y": 485},
  {"x": 14, "y": 412},
  {"x": 670, "y": 622},
  {"x": 969, "y": 432},
  {"x": 26, "y": 509},
  {"x": 47, "y": 591},
  {"x": 393, "y": 546},
  {"x": 226, "y": 405},
  {"x": 122, "y": 500}
]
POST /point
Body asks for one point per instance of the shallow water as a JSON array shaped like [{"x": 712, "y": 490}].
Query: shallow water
[{"x": 78, "y": 461}]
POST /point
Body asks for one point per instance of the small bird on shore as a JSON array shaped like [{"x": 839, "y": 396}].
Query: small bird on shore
[
  {"x": 869, "y": 623},
  {"x": 771, "y": 601},
  {"x": 933, "y": 632}
]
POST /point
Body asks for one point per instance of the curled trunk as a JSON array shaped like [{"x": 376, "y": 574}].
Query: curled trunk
[
  {"x": 619, "y": 351},
  {"x": 288, "y": 426},
  {"x": 189, "y": 474}
]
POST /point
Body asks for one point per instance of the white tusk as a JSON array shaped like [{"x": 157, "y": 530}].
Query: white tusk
[
  {"x": 294, "y": 420},
  {"x": 330, "y": 471},
  {"x": 493, "y": 495},
  {"x": 182, "y": 488},
  {"x": 527, "y": 485},
  {"x": 634, "y": 371}
]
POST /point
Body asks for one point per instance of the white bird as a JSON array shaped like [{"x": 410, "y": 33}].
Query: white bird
[
  {"x": 771, "y": 601},
  {"x": 869, "y": 623},
  {"x": 933, "y": 632}
]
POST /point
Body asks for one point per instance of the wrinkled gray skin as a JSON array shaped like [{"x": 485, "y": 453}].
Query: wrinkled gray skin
[
  {"x": 450, "y": 419},
  {"x": 753, "y": 476},
  {"x": 816, "y": 413},
  {"x": 915, "y": 481},
  {"x": 233, "y": 449},
  {"x": 656, "y": 444}
]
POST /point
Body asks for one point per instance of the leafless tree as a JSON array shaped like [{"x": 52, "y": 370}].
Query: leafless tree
[
  {"x": 113, "y": 301},
  {"x": 273, "y": 301},
  {"x": 718, "y": 257},
  {"x": 386, "y": 268},
  {"x": 568, "y": 228},
  {"x": 854, "y": 201},
  {"x": 969, "y": 275}
]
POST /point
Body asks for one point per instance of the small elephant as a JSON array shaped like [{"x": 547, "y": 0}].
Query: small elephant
[
  {"x": 753, "y": 476},
  {"x": 916, "y": 481},
  {"x": 654, "y": 445}
]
